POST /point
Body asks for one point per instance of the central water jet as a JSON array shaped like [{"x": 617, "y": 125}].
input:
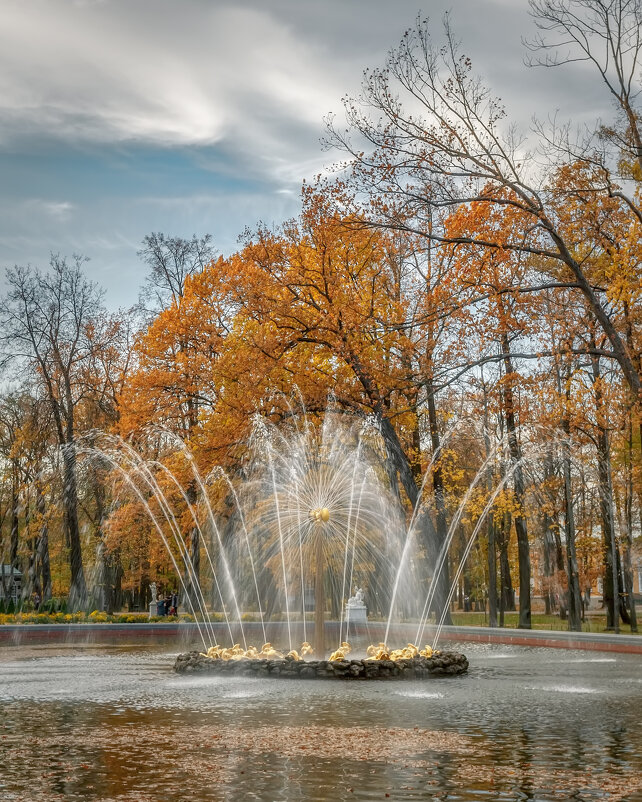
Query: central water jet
[{"x": 321, "y": 516}]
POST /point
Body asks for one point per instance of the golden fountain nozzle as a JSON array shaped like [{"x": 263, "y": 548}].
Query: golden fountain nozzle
[{"x": 320, "y": 514}]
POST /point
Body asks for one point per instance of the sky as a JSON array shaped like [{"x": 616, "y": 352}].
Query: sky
[{"x": 123, "y": 117}]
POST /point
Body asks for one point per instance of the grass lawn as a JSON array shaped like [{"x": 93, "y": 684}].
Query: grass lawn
[{"x": 595, "y": 622}]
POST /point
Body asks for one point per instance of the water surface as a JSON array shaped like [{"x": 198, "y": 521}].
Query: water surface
[{"x": 117, "y": 724}]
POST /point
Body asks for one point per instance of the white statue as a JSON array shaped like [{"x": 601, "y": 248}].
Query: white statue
[
  {"x": 356, "y": 608},
  {"x": 357, "y": 599},
  {"x": 152, "y": 587}
]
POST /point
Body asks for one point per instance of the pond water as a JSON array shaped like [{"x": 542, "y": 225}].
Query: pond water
[{"x": 117, "y": 724}]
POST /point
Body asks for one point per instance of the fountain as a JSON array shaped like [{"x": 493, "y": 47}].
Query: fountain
[
  {"x": 308, "y": 509},
  {"x": 379, "y": 663},
  {"x": 313, "y": 516}
]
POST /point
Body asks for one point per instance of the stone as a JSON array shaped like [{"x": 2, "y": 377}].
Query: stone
[{"x": 444, "y": 664}]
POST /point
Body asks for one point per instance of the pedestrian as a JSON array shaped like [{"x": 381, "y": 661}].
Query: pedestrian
[
  {"x": 36, "y": 601},
  {"x": 173, "y": 610}
]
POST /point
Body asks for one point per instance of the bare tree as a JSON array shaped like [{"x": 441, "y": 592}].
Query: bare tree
[
  {"x": 426, "y": 137},
  {"x": 171, "y": 260},
  {"x": 47, "y": 327},
  {"x": 607, "y": 35}
]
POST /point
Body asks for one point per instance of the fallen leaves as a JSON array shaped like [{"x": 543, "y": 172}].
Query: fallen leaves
[{"x": 218, "y": 756}]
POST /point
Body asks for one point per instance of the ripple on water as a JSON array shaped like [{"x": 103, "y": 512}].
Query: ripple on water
[
  {"x": 193, "y": 682},
  {"x": 593, "y": 660},
  {"x": 579, "y": 689},
  {"x": 240, "y": 694},
  {"x": 499, "y": 656}
]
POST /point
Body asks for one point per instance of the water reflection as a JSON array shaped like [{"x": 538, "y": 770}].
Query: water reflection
[{"x": 118, "y": 725}]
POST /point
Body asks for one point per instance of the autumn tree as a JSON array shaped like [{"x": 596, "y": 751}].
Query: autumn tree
[
  {"x": 437, "y": 139},
  {"x": 50, "y": 327},
  {"x": 25, "y": 447},
  {"x": 170, "y": 261},
  {"x": 327, "y": 305},
  {"x": 172, "y": 361}
]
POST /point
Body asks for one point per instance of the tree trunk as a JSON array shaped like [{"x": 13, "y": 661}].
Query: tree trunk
[
  {"x": 628, "y": 543},
  {"x": 43, "y": 567},
  {"x": 78, "y": 587},
  {"x": 397, "y": 457},
  {"x": 492, "y": 551},
  {"x": 102, "y": 591},
  {"x": 560, "y": 569},
  {"x": 574, "y": 598},
  {"x": 15, "y": 522},
  {"x": 99, "y": 590},
  {"x": 30, "y": 583},
  {"x": 113, "y": 589},
  {"x": 548, "y": 547},
  {"x": 611, "y": 556},
  {"x": 440, "y": 505},
  {"x": 639, "y": 483},
  {"x": 506, "y": 592},
  {"x": 523, "y": 549},
  {"x": 192, "y": 572},
  {"x": 492, "y": 573}
]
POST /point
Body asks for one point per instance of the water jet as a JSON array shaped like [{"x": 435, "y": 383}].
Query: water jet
[{"x": 314, "y": 514}]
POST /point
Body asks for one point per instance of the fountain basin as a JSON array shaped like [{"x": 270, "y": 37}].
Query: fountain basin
[{"x": 442, "y": 664}]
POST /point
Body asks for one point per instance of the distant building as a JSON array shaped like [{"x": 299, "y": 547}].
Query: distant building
[{"x": 10, "y": 583}]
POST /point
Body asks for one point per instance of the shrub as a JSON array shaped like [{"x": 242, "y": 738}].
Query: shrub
[{"x": 56, "y": 604}]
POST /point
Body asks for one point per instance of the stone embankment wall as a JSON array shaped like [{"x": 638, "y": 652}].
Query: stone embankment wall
[{"x": 443, "y": 664}]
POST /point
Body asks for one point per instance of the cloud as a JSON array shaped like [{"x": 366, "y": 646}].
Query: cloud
[
  {"x": 256, "y": 77},
  {"x": 59, "y": 210},
  {"x": 160, "y": 73},
  {"x": 119, "y": 117}
]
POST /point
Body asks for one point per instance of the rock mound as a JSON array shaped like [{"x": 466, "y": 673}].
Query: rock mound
[{"x": 441, "y": 664}]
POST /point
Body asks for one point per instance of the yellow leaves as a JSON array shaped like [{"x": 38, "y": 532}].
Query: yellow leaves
[
  {"x": 505, "y": 504},
  {"x": 599, "y": 229}
]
